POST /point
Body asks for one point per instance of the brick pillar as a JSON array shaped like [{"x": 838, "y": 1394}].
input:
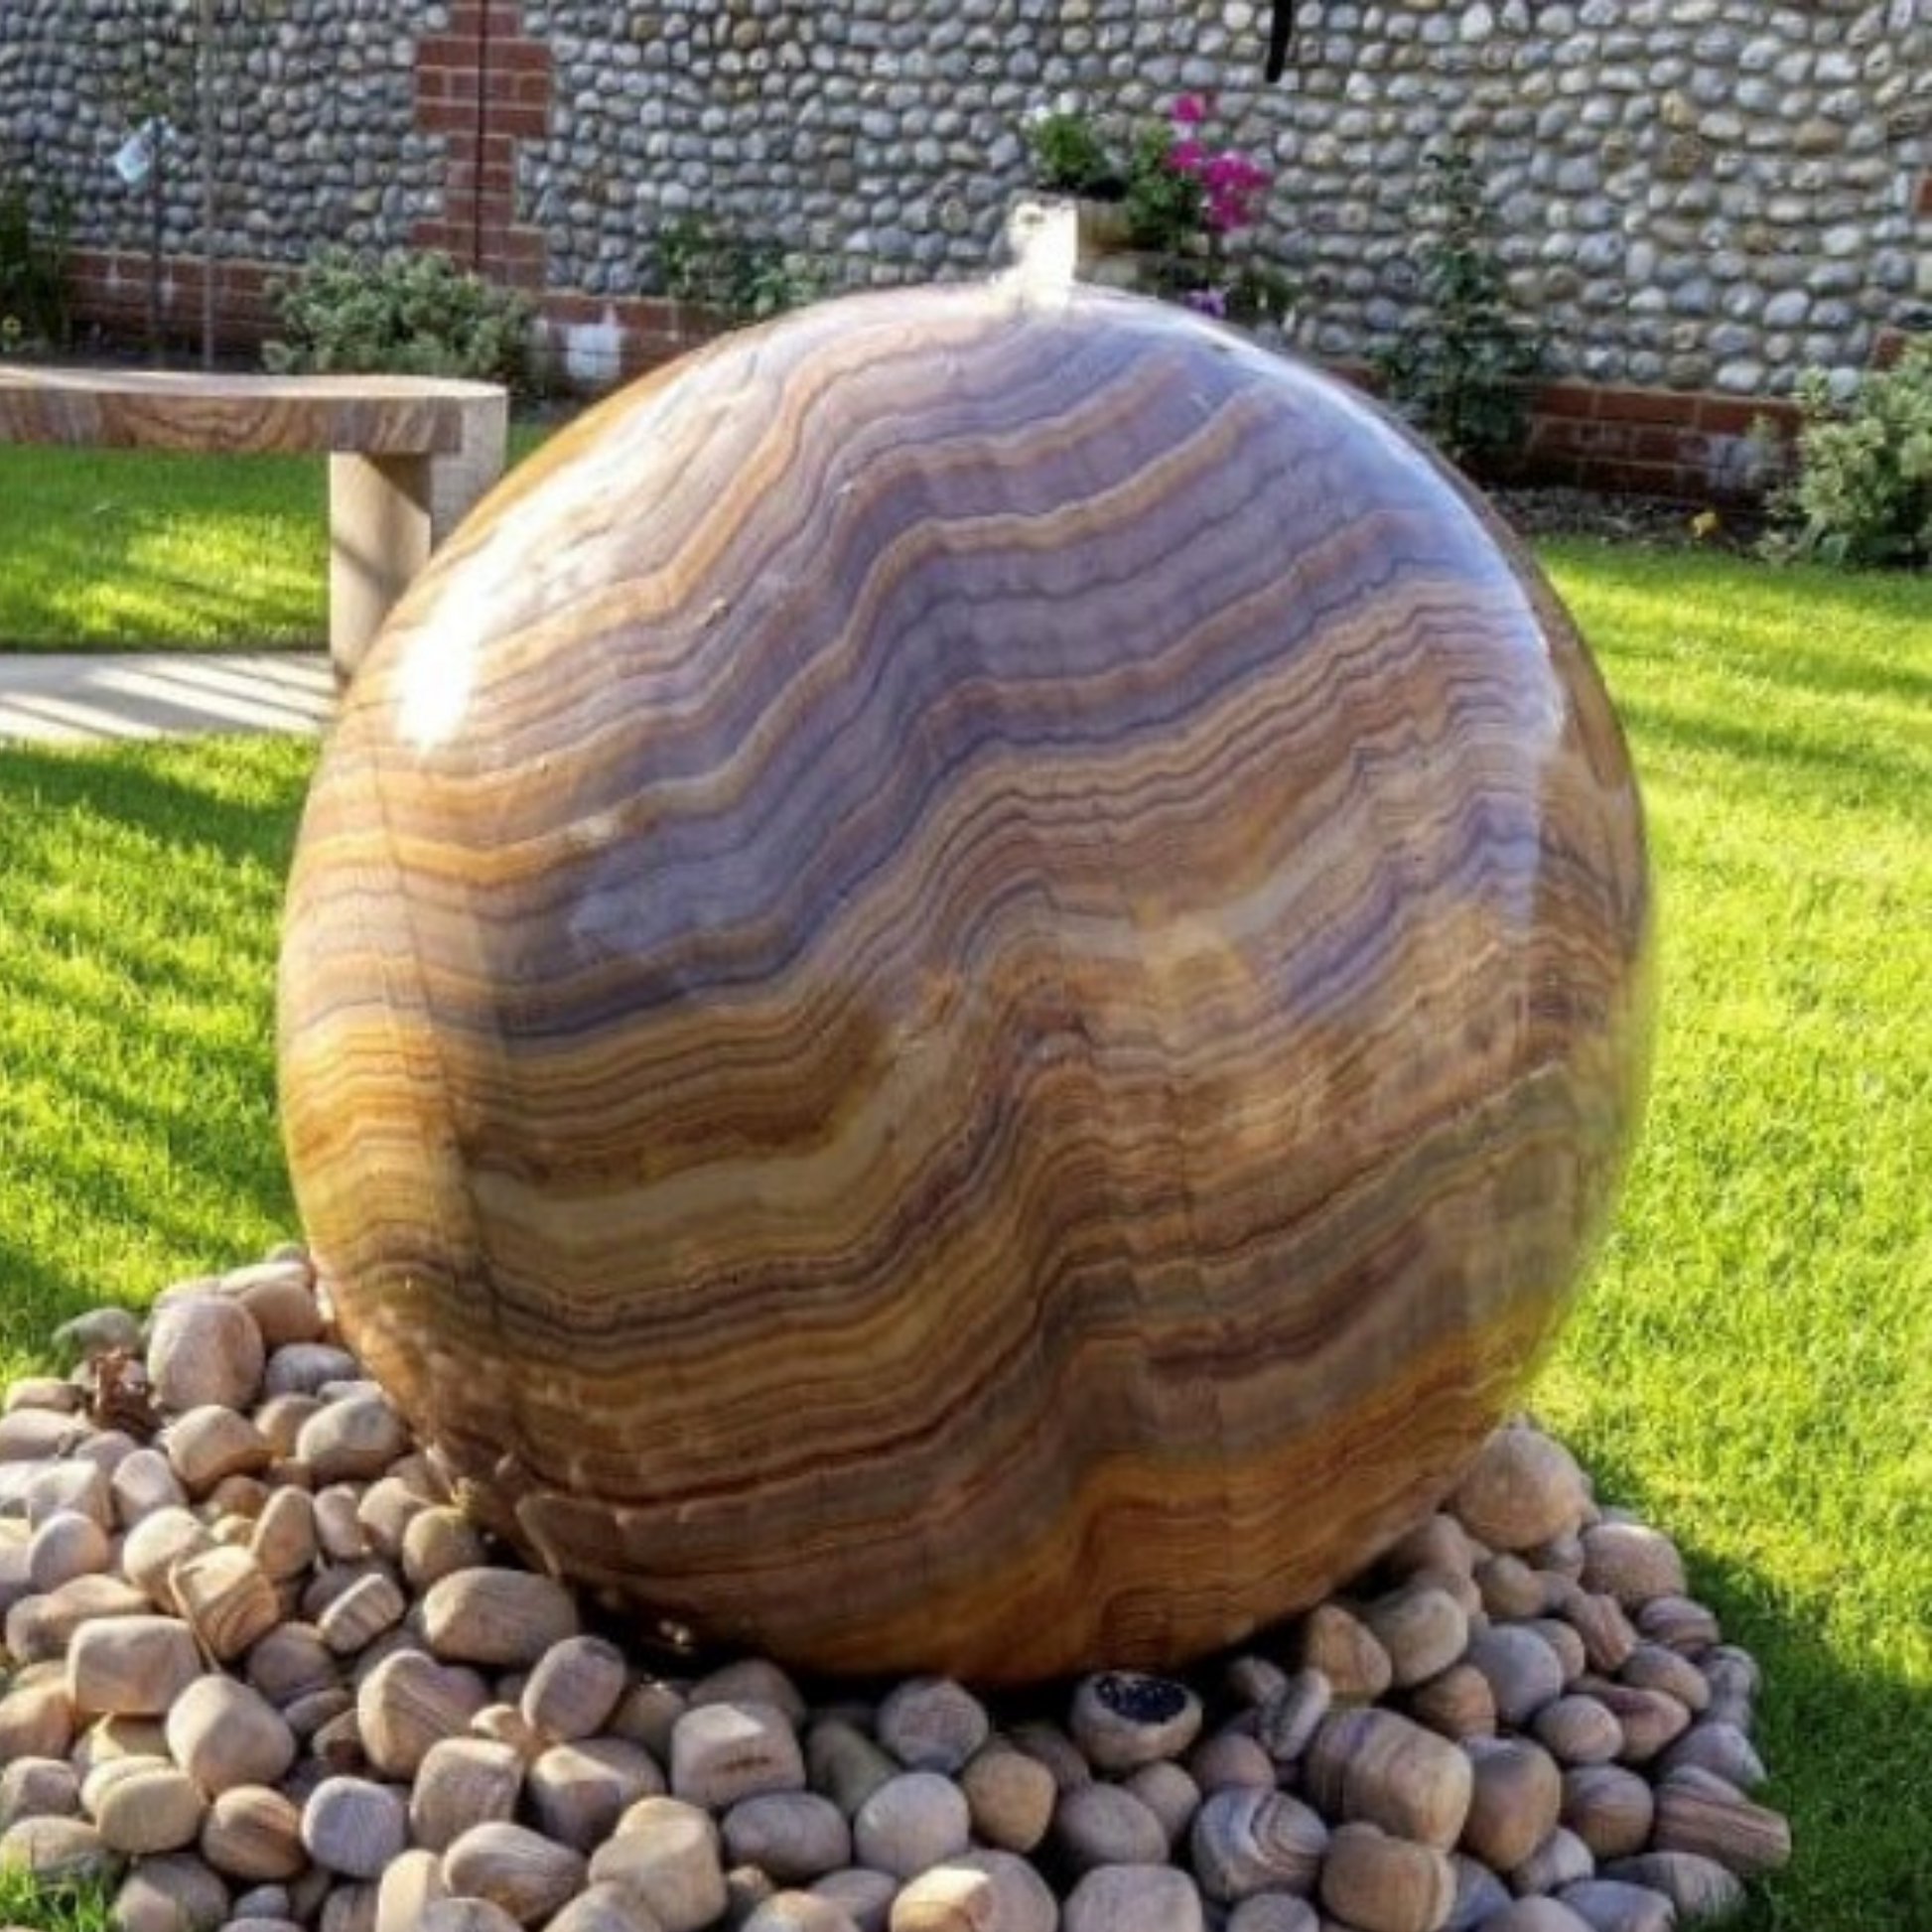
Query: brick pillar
[{"x": 483, "y": 85}]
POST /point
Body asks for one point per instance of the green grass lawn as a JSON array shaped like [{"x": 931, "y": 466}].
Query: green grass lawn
[
  {"x": 1753, "y": 1366},
  {"x": 117, "y": 549},
  {"x": 150, "y": 549}
]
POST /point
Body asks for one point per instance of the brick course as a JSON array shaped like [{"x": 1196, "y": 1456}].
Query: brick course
[{"x": 483, "y": 85}]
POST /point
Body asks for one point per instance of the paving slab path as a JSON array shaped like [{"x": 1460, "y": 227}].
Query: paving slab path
[{"x": 95, "y": 699}]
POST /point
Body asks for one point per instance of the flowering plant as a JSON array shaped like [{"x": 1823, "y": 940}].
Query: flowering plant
[
  {"x": 1180, "y": 197},
  {"x": 1232, "y": 185},
  {"x": 1180, "y": 193}
]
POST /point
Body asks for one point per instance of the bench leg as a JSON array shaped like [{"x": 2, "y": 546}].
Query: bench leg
[
  {"x": 387, "y": 513},
  {"x": 379, "y": 533},
  {"x": 460, "y": 478}
]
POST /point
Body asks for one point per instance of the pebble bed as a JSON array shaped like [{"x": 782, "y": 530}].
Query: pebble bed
[{"x": 263, "y": 1672}]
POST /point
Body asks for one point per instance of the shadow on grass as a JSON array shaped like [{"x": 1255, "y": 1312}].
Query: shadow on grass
[
  {"x": 55, "y": 608},
  {"x": 1836, "y": 769},
  {"x": 134, "y": 786},
  {"x": 1844, "y": 1747},
  {"x": 140, "y": 1082},
  {"x": 104, "y": 549}
]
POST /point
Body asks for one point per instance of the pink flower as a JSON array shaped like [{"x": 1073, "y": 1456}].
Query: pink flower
[
  {"x": 1188, "y": 111},
  {"x": 1187, "y": 157},
  {"x": 1234, "y": 186}
]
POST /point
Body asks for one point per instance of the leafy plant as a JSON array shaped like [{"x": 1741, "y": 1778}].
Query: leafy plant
[
  {"x": 407, "y": 312},
  {"x": 1862, "y": 491},
  {"x": 745, "y": 278},
  {"x": 1459, "y": 374},
  {"x": 1167, "y": 205},
  {"x": 1260, "y": 295},
  {"x": 1069, "y": 156},
  {"x": 33, "y": 269}
]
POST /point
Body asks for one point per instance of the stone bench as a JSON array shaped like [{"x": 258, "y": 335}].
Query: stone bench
[{"x": 407, "y": 456}]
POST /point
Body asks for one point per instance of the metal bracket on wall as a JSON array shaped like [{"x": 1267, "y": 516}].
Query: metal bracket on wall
[{"x": 1280, "y": 29}]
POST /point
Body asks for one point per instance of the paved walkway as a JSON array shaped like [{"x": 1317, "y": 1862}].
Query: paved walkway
[{"x": 80, "y": 700}]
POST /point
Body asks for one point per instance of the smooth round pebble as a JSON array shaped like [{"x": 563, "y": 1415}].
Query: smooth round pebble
[
  {"x": 529, "y": 1875},
  {"x": 1536, "y": 1915},
  {"x": 354, "y": 1440},
  {"x": 577, "y": 1792},
  {"x": 911, "y": 1823},
  {"x": 462, "y": 1782},
  {"x": 131, "y": 1666},
  {"x": 843, "y": 1763},
  {"x": 466, "y": 1915},
  {"x": 799, "y": 1911},
  {"x": 253, "y": 1833},
  {"x": 1105, "y": 1823},
  {"x": 602, "y": 1908},
  {"x": 506, "y": 1618},
  {"x": 437, "y": 1543},
  {"x": 66, "y": 1545},
  {"x": 1010, "y": 1797},
  {"x": 1274, "y": 1911},
  {"x": 213, "y": 1442},
  {"x": 1523, "y": 1489},
  {"x": 55, "y": 1849},
  {"x": 223, "y": 1733},
  {"x": 1123, "y": 1718},
  {"x": 145, "y": 1805},
  {"x": 354, "y": 1826},
  {"x": 280, "y": 1296},
  {"x": 751, "y": 1680},
  {"x": 410, "y": 1702},
  {"x": 1134, "y": 1898},
  {"x": 794, "y": 1836},
  {"x": 226, "y": 1596},
  {"x": 665, "y": 1852},
  {"x": 1379, "y": 1884},
  {"x": 864, "y": 1897},
  {"x": 574, "y": 1687},
  {"x": 38, "y": 1787},
  {"x": 931, "y": 1723},
  {"x": 722, "y": 1752},
  {"x": 203, "y": 1349},
  {"x": 1246, "y": 1841},
  {"x": 173, "y": 1893},
  {"x": 978, "y": 1891}
]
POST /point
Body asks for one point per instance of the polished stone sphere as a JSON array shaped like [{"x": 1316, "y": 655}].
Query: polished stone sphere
[{"x": 963, "y": 986}]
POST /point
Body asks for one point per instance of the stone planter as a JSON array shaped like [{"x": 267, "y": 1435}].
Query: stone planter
[{"x": 1103, "y": 231}]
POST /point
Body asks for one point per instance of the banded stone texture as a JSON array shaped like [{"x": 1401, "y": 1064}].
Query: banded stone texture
[
  {"x": 962, "y": 987},
  {"x": 161, "y": 409}
]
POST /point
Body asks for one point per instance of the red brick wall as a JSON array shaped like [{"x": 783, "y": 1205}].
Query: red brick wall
[
  {"x": 1661, "y": 442},
  {"x": 483, "y": 85},
  {"x": 108, "y": 289}
]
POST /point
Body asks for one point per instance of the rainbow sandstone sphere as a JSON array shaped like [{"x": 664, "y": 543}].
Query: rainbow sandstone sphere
[{"x": 963, "y": 986}]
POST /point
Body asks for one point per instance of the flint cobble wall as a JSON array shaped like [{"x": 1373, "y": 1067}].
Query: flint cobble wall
[{"x": 1692, "y": 196}]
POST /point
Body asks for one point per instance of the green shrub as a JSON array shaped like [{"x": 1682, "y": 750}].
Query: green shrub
[
  {"x": 745, "y": 278},
  {"x": 1862, "y": 491},
  {"x": 1461, "y": 374},
  {"x": 407, "y": 312},
  {"x": 1069, "y": 156},
  {"x": 33, "y": 269}
]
